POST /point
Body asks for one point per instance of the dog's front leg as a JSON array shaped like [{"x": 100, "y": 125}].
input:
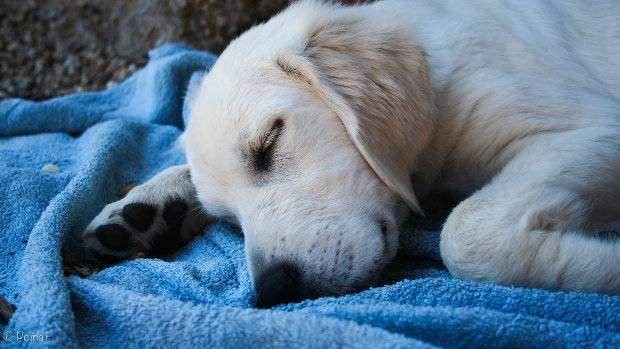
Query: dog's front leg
[
  {"x": 154, "y": 219},
  {"x": 537, "y": 223}
]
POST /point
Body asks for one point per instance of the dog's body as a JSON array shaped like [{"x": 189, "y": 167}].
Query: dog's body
[{"x": 515, "y": 107}]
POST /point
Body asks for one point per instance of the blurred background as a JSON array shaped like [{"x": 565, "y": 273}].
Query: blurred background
[{"x": 54, "y": 47}]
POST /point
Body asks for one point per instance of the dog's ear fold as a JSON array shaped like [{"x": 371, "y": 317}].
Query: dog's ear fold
[{"x": 378, "y": 83}]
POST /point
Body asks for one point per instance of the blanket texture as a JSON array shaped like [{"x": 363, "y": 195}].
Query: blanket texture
[{"x": 62, "y": 160}]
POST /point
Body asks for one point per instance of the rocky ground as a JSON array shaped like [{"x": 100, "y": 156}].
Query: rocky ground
[{"x": 54, "y": 47}]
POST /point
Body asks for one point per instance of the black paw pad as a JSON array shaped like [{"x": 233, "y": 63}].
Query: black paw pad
[
  {"x": 170, "y": 240},
  {"x": 174, "y": 212},
  {"x": 113, "y": 236},
  {"x": 139, "y": 215}
]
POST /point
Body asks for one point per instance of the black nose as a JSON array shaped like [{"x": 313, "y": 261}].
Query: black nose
[{"x": 276, "y": 285}]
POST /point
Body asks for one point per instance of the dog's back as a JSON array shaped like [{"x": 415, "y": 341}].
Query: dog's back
[
  {"x": 506, "y": 71},
  {"x": 561, "y": 41}
]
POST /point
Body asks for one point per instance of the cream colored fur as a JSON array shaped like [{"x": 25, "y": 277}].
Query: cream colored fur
[{"x": 516, "y": 108}]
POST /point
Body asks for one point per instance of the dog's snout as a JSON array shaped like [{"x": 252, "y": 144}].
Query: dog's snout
[{"x": 277, "y": 285}]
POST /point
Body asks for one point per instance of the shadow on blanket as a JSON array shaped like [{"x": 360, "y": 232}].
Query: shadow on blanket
[{"x": 61, "y": 160}]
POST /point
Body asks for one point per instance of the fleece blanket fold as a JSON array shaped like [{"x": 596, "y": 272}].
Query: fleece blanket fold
[{"x": 63, "y": 159}]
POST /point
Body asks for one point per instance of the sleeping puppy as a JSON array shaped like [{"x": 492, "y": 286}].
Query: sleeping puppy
[{"x": 314, "y": 130}]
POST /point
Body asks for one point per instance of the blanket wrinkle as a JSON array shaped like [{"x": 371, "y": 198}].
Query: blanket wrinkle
[{"x": 202, "y": 296}]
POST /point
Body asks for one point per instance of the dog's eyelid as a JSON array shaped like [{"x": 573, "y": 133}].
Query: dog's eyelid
[
  {"x": 261, "y": 152},
  {"x": 271, "y": 136}
]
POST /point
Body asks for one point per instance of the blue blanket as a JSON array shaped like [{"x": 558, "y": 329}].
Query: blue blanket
[{"x": 61, "y": 160}]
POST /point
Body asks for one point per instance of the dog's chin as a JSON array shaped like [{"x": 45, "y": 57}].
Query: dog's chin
[{"x": 374, "y": 277}]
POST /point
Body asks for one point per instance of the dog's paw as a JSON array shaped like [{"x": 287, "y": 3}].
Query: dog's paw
[{"x": 145, "y": 223}]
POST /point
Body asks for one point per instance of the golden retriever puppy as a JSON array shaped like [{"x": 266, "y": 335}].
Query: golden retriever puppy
[{"x": 313, "y": 130}]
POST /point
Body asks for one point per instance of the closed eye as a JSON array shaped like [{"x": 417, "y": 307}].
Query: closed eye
[{"x": 261, "y": 154}]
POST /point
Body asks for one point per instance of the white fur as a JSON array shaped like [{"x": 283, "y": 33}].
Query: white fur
[{"x": 520, "y": 112}]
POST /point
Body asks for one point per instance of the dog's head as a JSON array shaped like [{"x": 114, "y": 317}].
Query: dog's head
[{"x": 305, "y": 133}]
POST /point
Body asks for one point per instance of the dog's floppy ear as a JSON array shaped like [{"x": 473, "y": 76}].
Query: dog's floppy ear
[{"x": 378, "y": 83}]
